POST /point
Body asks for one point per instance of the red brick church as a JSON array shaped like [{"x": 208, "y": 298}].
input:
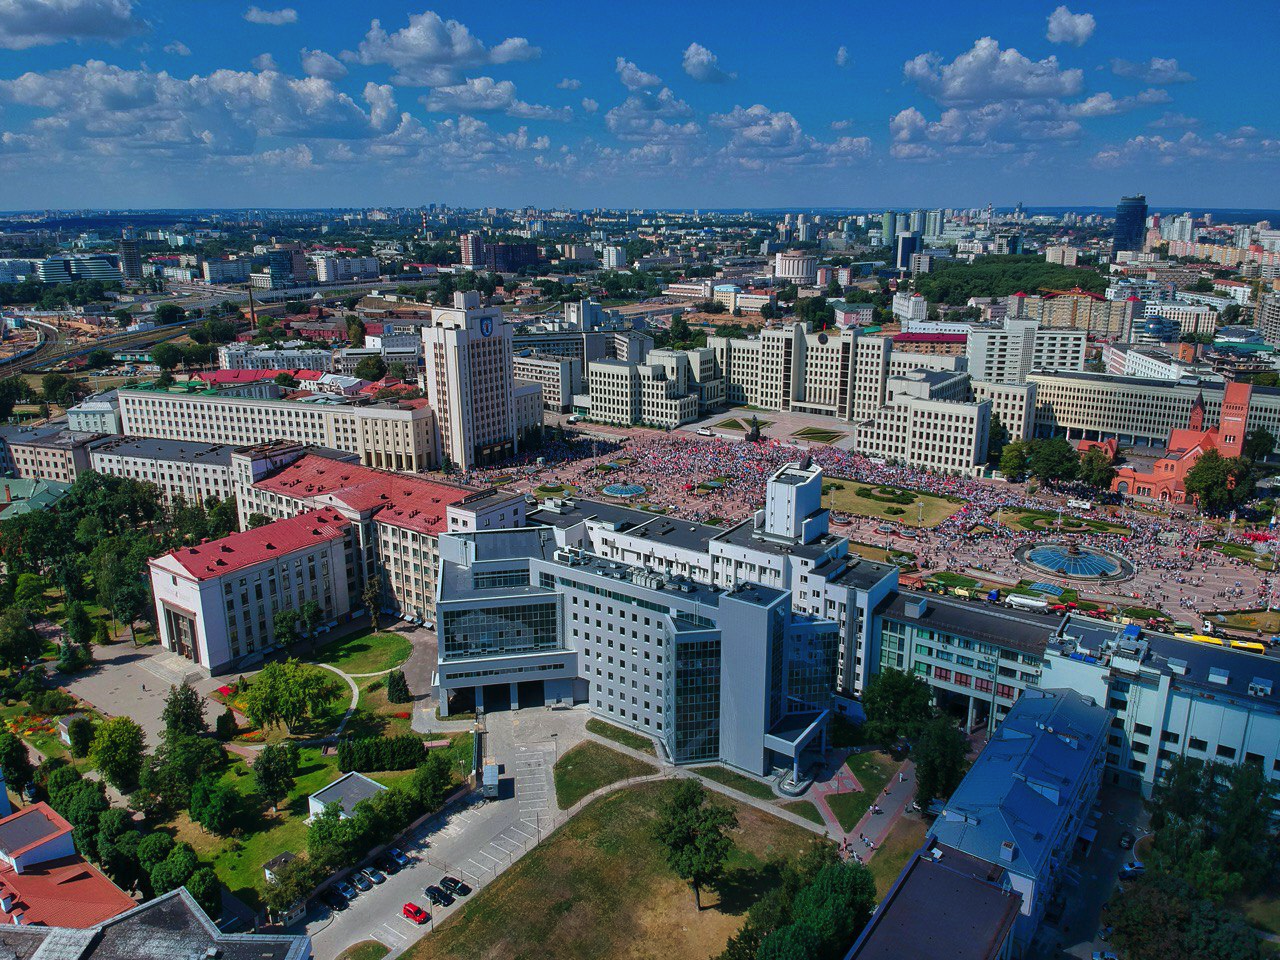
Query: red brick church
[{"x": 1166, "y": 481}]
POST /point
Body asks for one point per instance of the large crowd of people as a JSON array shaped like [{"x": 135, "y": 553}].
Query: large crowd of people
[{"x": 723, "y": 481}]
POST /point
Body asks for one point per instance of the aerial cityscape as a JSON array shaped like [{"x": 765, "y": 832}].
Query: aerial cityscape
[{"x": 759, "y": 487}]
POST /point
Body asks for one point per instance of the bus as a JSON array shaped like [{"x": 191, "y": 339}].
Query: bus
[{"x": 1200, "y": 638}]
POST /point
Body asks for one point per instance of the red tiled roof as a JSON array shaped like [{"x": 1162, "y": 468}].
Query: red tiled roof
[
  {"x": 241, "y": 550},
  {"x": 67, "y": 892},
  {"x": 401, "y": 500}
]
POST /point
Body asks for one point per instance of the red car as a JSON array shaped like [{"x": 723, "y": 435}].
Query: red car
[{"x": 412, "y": 911}]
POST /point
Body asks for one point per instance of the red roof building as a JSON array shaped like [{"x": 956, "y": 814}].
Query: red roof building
[
  {"x": 44, "y": 882},
  {"x": 248, "y": 548}
]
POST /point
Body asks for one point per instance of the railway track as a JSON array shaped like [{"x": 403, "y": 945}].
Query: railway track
[{"x": 52, "y": 352}]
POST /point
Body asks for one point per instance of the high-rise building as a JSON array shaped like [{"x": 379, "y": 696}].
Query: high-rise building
[
  {"x": 472, "y": 246},
  {"x": 905, "y": 245},
  {"x": 888, "y": 227},
  {"x": 130, "y": 256},
  {"x": 1131, "y": 224},
  {"x": 468, "y": 380},
  {"x": 615, "y": 258}
]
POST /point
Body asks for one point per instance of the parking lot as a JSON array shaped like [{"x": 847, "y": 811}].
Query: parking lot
[
  {"x": 1090, "y": 881},
  {"x": 474, "y": 842}
]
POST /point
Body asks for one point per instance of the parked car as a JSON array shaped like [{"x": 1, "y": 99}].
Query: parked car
[
  {"x": 345, "y": 889},
  {"x": 396, "y": 854},
  {"x": 374, "y": 874},
  {"x": 1104, "y": 934},
  {"x": 440, "y": 898},
  {"x": 455, "y": 886},
  {"x": 334, "y": 900},
  {"x": 1126, "y": 840},
  {"x": 414, "y": 913},
  {"x": 387, "y": 865},
  {"x": 1132, "y": 870},
  {"x": 361, "y": 881}
]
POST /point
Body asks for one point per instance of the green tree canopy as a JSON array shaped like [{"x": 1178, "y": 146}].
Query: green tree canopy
[
  {"x": 1054, "y": 459},
  {"x": 287, "y": 693},
  {"x": 898, "y": 705},
  {"x": 693, "y": 831},
  {"x": 117, "y": 752},
  {"x": 940, "y": 760}
]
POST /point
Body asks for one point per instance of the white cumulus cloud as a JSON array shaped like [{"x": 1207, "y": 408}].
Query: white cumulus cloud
[
  {"x": 842, "y": 56},
  {"x": 317, "y": 63},
  {"x": 987, "y": 72},
  {"x": 633, "y": 78},
  {"x": 1067, "y": 27},
  {"x": 271, "y": 18},
  {"x": 703, "y": 65},
  {"x": 568, "y": 83},
  {"x": 177, "y": 48},
  {"x": 39, "y": 23},
  {"x": 486, "y": 95},
  {"x": 430, "y": 51},
  {"x": 1155, "y": 70}
]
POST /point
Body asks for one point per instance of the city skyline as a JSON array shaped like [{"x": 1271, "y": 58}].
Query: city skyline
[{"x": 142, "y": 103}]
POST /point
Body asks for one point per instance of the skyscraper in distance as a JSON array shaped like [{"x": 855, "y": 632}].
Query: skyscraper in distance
[
  {"x": 1131, "y": 224},
  {"x": 130, "y": 256}
]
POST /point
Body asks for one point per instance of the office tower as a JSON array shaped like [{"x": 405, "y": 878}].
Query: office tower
[
  {"x": 468, "y": 380},
  {"x": 888, "y": 228},
  {"x": 905, "y": 245},
  {"x": 1131, "y": 222},
  {"x": 472, "y": 250},
  {"x": 130, "y": 256}
]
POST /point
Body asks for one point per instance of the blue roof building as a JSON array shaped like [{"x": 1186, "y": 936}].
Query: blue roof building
[{"x": 1024, "y": 802}]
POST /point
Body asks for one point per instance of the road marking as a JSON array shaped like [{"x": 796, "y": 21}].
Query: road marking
[
  {"x": 395, "y": 933},
  {"x": 521, "y": 832},
  {"x": 487, "y": 857}
]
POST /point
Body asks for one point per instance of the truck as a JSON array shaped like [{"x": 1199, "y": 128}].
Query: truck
[
  {"x": 489, "y": 779},
  {"x": 1026, "y": 603}
]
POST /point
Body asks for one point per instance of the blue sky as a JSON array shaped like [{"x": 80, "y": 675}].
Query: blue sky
[{"x": 149, "y": 103}]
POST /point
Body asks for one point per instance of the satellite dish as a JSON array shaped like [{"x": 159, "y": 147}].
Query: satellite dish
[{"x": 823, "y": 338}]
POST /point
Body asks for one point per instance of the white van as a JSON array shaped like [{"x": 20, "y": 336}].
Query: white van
[{"x": 1080, "y": 504}]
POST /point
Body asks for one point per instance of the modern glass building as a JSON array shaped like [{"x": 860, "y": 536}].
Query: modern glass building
[
  {"x": 1131, "y": 224},
  {"x": 714, "y": 674}
]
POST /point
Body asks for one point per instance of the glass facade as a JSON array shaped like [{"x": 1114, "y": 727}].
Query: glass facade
[
  {"x": 499, "y": 631},
  {"x": 697, "y": 701},
  {"x": 488, "y": 580},
  {"x": 811, "y": 670}
]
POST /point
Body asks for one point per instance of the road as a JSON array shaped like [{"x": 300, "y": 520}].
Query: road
[{"x": 475, "y": 842}]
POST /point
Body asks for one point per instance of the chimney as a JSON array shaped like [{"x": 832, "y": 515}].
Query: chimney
[
  {"x": 1008, "y": 851},
  {"x": 18, "y": 918},
  {"x": 6, "y": 901}
]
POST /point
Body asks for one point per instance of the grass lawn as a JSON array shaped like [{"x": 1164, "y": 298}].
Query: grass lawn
[
  {"x": 599, "y": 888},
  {"x": 806, "y": 809},
  {"x": 366, "y": 652},
  {"x": 818, "y": 435},
  {"x": 1262, "y": 911},
  {"x": 367, "y": 950},
  {"x": 737, "y": 781},
  {"x": 873, "y": 771},
  {"x": 743, "y": 424},
  {"x": 1264, "y": 620},
  {"x": 846, "y": 500},
  {"x": 588, "y": 767},
  {"x": 881, "y": 555},
  {"x": 948, "y": 579},
  {"x": 906, "y": 837},
  {"x": 1047, "y": 522},
  {"x": 1239, "y": 551},
  {"x": 376, "y": 715},
  {"x": 324, "y": 723},
  {"x": 621, "y": 735}
]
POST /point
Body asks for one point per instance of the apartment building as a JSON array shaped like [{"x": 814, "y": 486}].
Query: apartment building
[
  {"x": 391, "y": 435},
  {"x": 560, "y": 377},
  {"x": 1136, "y": 411},
  {"x": 285, "y": 356},
  {"x": 656, "y": 393},
  {"x": 1077, "y": 309},
  {"x": 1009, "y": 352},
  {"x": 1024, "y": 803},
  {"x": 714, "y": 675},
  {"x": 99, "y": 413},
  {"x": 1191, "y": 318},
  {"x": 216, "y": 602},
  {"x": 180, "y": 469},
  {"x": 47, "y": 453},
  {"x": 909, "y": 306}
]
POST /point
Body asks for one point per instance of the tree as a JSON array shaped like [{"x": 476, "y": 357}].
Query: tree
[
  {"x": 178, "y": 763},
  {"x": 167, "y": 356},
  {"x": 225, "y": 726},
  {"x": 836, "y": 904},
  {"x": 291, "y": 884},
  {"x": 1259, "y": 444},
  {"x": 77, "y": 623},
  {"x": 371, "y": 368},
  {"x": 153, "y": 850},
  {"x": 183, "y": 713},
  {"x": 309, "y": 616},
  {"x": 694, "y": 834},
  {"x": 80, "y": 732},
  {"x": 372, "y": 597},
  {"x": 203, "y": 885},
  {"x": 1054, "y": 460},
  {"x": 29, "y": 595},
  {"x": 285, "y": 625},
  {"x": 431, "y": 780},
  {"x": 398, "y": 370},
  {"x": 792, "y": 942},
  {"x": 15, "y": 762},
  {"x": 897, "y": 705},
  {"x": 257, "y": 520},
  {"x": 287, "y": 693},
  {"x": 274, "y": 771},
  {"x": 168, "y": 313},
  {"x": 939, "y": 758},
  {"x": 1157, "y": 918},
  {"x": 213, "y": 804},
  {"x": 1096, "y": 469},
  {"x": 175, "y": 870},
  {"x": 19, "y": 642},
  {"x": 679, "y": 329},
  {"x": 286, "y": 380},
  {"x": 117, "y": 752},
  {"x": 1220, "y": 483},
  {"x": 355, "y": 331},
  {"x": 397, "y": 687},
  {"x": 60, "y": 389}
]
